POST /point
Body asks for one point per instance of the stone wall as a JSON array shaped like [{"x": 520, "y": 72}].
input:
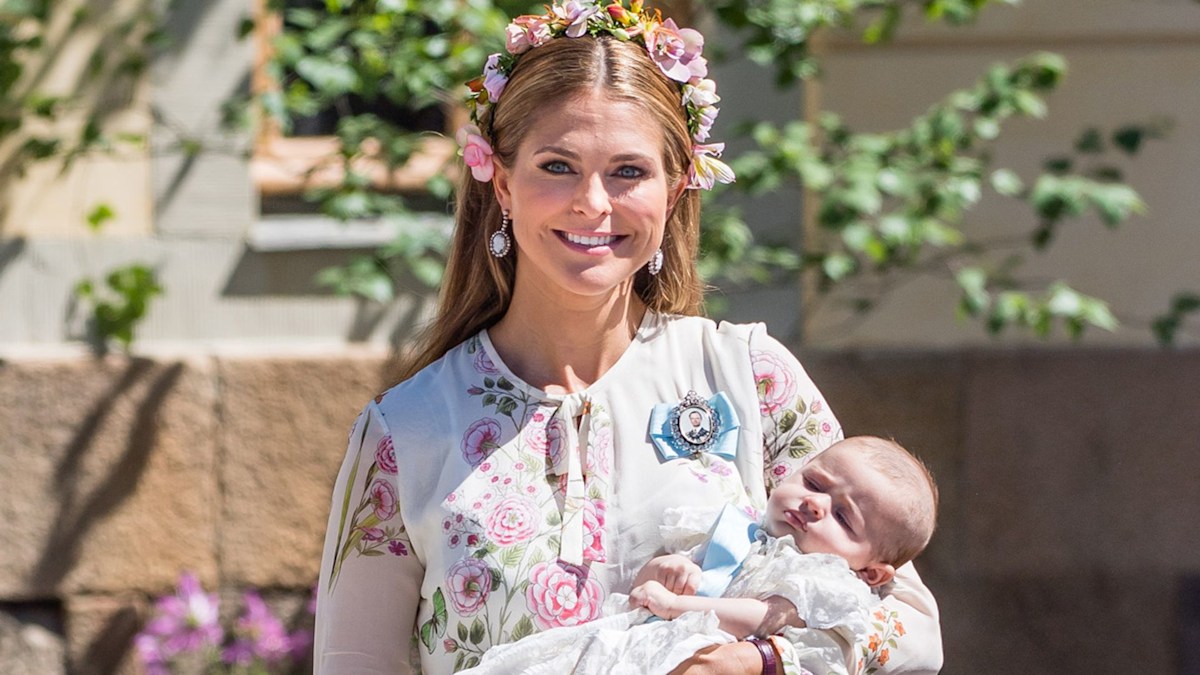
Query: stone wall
[{"x": 1066, "y": 541}]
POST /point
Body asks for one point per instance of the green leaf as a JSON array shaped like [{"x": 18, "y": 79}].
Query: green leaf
[
  {"x": 1090, "y": 141},
  {"x": 504, "y": 384},
  {"x": 99, "y": 216},
  {"x": 478, "y": 630},
  {"x": 524, "y": 628},
  {"x": 787, "y": 421},
  {"x": 462, "y": 632},
  {"x": 1006, "y": 182}
]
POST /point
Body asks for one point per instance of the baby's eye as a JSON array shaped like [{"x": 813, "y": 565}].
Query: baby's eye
[
  {"x": 812, "y": 485},
  {"x": 556, "y": 166},
  {"x": 840, "y": 517},
  {"x": 630, "y": 172}
]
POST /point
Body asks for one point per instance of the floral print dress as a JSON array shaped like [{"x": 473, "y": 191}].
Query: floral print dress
[{"x": 473, "y": 509}]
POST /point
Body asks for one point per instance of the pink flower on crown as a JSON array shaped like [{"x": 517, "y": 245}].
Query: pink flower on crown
[
  {"x": 776, "y": 386},
  {"x": 707, "y": 117},
  {"x": 701, "y": 94},
  {"x": 707, "y": 170},
  {"x": 477, "y": 152},
  {"x": 526, "y": 32},
  {"x": 575, "y": 15},
  {"x": 676, "y": 51},
  {"x": 480, "y": 439},
  {"x": 493, "y": 79},
  {"x": 560, "y": 594}
]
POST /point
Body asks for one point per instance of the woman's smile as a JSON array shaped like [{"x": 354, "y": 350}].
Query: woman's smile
[{"x": 595, "y": 244}]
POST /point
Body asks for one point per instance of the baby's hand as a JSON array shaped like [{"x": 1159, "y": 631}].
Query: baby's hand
[
  {"x": 675, "y": 572},
  {"x": 656, "y": 598}
]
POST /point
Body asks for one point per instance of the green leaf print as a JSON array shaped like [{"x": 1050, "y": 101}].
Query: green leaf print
[
  {"x": 505, "y": 405},
  {"x": 800, "y": 446},
  {"x": 787, "y": 422},
  {"x": 471, "y": 662},
  {"x": 489, "y": 399},
  {"x": 504, "y": 384},
  {"x": 496, "y": 578},
  {"x": 488, "y": 383},
  {"x": 800, "y": 406},
  {"x": 462, "y": 632},
  {"x": 524, "y": 628},
  {"x": 477, "y": 631},
  {"x": 512, "y": 556}
]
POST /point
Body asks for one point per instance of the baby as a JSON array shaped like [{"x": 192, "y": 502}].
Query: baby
[
  {"x": 832, "y": 531},
  {"x": 865, "y": 500}
]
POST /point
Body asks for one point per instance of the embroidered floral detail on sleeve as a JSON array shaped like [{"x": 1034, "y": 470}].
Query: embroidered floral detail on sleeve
[
  {"x": 470, "y": 583},
  {"x": 875, "y": 653},
  {"x": 774, "y": 380}
]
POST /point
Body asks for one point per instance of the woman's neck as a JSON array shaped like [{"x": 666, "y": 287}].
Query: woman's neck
[{"x": 565, "y": 347}]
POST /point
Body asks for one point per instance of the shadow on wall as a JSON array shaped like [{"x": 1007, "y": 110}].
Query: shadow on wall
[{"x": 77, "y": 511}]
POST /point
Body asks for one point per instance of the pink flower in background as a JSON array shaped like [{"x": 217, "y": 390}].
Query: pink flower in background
[
  {"x": 186, "y": 621},
  {"x": 560, "y": 594},
  {"x": 259, "y": 634},
  {"x": 477, "y": 152},
  {"x": 776, "y": 387},
  {"x": 494, "y": 81},
  {"x": 480, "y": 439},
  {"x": 526, "y": 32},
  {"x": 383, "y": 499},
  {"x": 512, "y": 521},
  {"x": 593, "y": 531},
  {"x": 385, "y": 456},
  {"x": 676, "y": 51},
  {"x": 484, "y": 365},
  {"x": 469, "y": 582}
]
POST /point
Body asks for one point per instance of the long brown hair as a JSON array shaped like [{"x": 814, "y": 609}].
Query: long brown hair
[{"x": 478, "y": 287}]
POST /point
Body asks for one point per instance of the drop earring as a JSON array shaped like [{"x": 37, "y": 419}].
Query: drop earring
[
  {"x": 655, "y": 264},
  {"x": 500, "y": 243}
]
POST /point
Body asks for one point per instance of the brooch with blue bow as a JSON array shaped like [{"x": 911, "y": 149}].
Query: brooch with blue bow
[{"x": 695, "y": 425}]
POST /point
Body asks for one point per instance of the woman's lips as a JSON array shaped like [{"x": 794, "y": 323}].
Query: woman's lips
[{"x": 594, "y": 243}]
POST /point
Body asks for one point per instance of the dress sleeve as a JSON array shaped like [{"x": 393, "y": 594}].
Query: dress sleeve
[
  {"x": 370, "y": 577},
  {"x": 796, "y": 421}
]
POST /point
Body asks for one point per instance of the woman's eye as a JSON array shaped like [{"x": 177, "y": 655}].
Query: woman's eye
[
  {"x": 630, "y": 172},
  {"x": 556, "y": 166}
]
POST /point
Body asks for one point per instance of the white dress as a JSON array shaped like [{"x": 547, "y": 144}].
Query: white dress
[
  {"x": 834, "y": 602},
  {"x": 473, "y": 509}
]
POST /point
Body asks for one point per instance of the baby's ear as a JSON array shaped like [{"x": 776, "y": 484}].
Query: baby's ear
[{"x": 876, "y": 574}]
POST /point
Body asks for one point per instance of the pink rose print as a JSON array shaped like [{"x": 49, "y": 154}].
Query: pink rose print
[
  {"x": 514, "y": 520},
  {"x": 480, "y": 439},
  {"x": 593, "y": 531},
  {"x": 776, "y": 387},
  {"x": 383, "y": 499},
  {"x": 546, "y": 438},
  {"x": 484, "y": 365},
  {"x": 470, "y": 582},
  {"x": 560, "y": 594},
  {"x": 599, "y": 455},
  {"x": 385, "y": 456},
  {"x": 372, "y": 533}
]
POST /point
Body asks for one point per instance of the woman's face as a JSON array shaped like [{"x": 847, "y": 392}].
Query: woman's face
[{"x": 588, "y": 196}]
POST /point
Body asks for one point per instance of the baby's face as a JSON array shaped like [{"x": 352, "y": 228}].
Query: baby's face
[{"x": 831, "y": 505}]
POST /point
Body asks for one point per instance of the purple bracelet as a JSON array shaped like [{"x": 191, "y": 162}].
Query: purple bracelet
[{"x": 767, "y": 651}]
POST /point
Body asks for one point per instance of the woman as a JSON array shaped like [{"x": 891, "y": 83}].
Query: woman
[{"x": 518, "y": 473}]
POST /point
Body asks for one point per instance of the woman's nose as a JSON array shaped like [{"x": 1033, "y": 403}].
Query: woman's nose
[{"x": 591, "y": 197}]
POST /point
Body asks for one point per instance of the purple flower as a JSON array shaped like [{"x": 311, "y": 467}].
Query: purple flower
[
  {"x": 470, "y": 582},
  {"x": 372, "y": 533},
  {"x": 480, "y": 439},
  {"x": 397, "y": 547},
  {"x": 259, "y": 635},
  {"x": 494, "y": 80},
  {"x": 484, "y": 364},
  {"x": 383, "y": 499},
  {"x": 184, "y": 622},
  {"x": 385, "y": 455}
]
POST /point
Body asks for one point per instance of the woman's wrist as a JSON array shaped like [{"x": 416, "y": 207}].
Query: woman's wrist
[{"x": 766, "y": 650}]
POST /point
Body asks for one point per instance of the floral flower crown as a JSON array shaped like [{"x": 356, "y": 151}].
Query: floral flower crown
[{"x": 675, "y": 50}]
